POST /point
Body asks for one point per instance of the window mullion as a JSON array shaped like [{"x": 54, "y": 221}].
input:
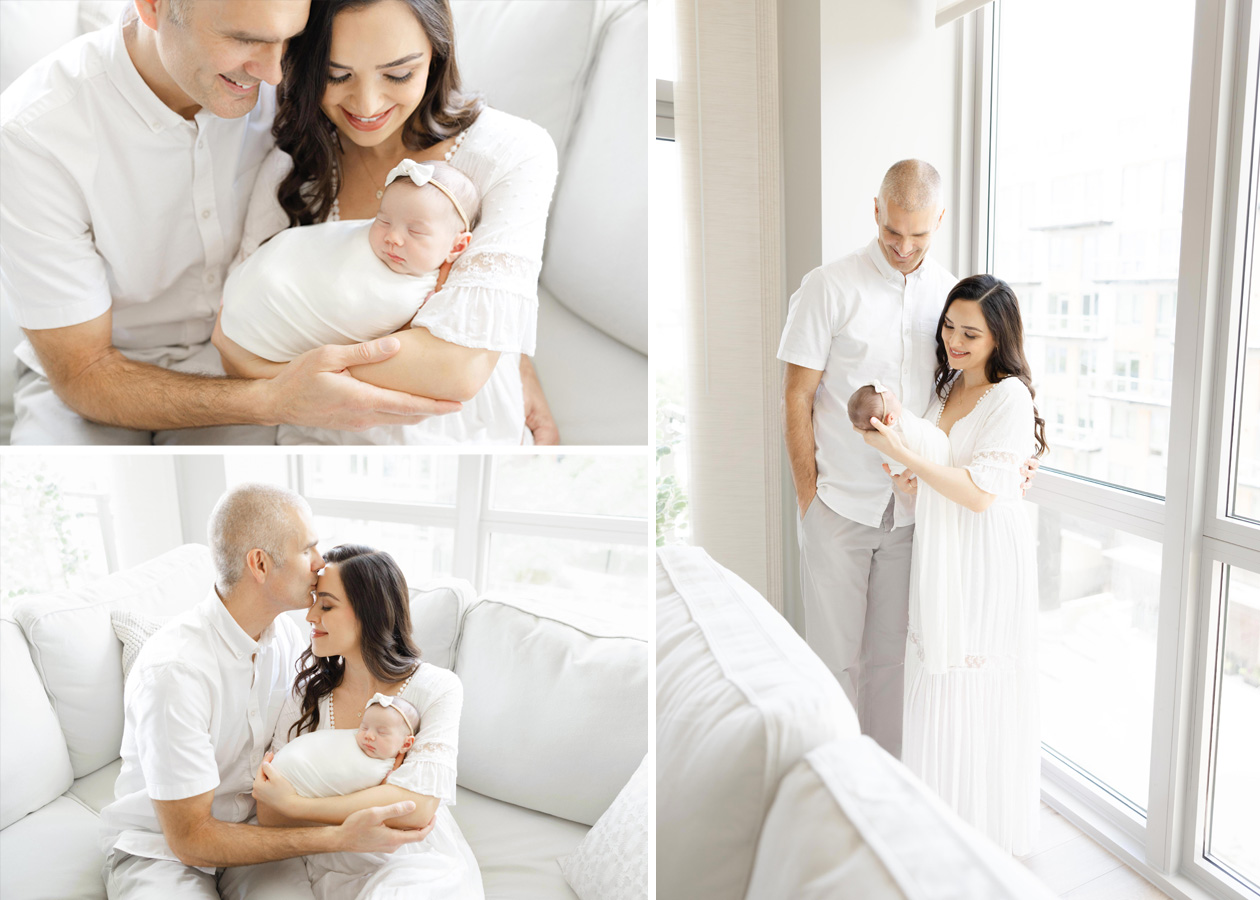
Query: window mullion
[{"x": 469, "y": 488}]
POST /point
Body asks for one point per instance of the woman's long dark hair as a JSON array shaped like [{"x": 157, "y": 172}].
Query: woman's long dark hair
[
  {"x": 1001, "y": 314},
  {"x": 377, "y": 592},
  {"x": 304, "y": 132}
]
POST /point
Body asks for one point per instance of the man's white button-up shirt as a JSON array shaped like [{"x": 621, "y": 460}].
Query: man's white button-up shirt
[
  {"x": 200, "y": 706},
  {"x": 110, "y": 200},
  {"x": 856, "y": 320}
]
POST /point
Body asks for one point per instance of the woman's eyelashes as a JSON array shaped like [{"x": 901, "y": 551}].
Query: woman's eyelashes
[{"x": 396, "y": 79}]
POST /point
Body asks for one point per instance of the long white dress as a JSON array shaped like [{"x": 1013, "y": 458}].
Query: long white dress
[
  {"x": 971, "y": 729},
  {"x": 490, "y": 299},
  {"x": 441, "y": 866}
]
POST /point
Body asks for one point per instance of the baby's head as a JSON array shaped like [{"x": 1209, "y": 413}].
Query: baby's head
[
  {"x": 388, "y": 727},
  {"x": 873, "y": 401},
  {"x": 421, "y": 226}
]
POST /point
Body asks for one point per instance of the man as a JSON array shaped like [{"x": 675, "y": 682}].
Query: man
[
  {"x": 871, "y": 315},
  {"x": 200, "y": 707},
  {"x": 128, "y": 159}
]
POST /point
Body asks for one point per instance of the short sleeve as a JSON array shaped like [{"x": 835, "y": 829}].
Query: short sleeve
[
  {"x": 171, "y": 709},
  {"x": 811, "y": 323},
  {"x": 265, "y": 217},
  {"x": 45, "y": 217},
  {"x": 490, "y": 299},
  {"x": 429, "y": 768},
  {"x": 1004, "y": 440}
]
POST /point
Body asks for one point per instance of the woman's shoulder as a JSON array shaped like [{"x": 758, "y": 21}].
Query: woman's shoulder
[
  {"x": 508, "y": 136},
  {"x": 1013, "y": 389},
  {"x": 432, "y": 681}
]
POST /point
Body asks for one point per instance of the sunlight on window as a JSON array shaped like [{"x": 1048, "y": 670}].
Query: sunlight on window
[
  {"x": 578, "y": 484},
  {"x": 395, "y": 477}
]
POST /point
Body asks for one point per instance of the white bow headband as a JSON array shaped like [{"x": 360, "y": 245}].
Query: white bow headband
[
  {"x": 420, "y": 175},
  {"x": 404, "y": 708}
]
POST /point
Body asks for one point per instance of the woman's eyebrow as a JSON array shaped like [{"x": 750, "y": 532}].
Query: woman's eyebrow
[
  {"x": 328, "y": 595},
  {"x": 388, "y": 65}
]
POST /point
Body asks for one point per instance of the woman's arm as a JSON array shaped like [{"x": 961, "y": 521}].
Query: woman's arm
[
  {"x": 950, "y": 482},
  {"x": 431, "y": 367},
  {"x": 280, "y": 804}
]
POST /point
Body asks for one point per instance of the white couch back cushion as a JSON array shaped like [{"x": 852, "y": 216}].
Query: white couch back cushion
[
  {"x": 34, "y": 762},
  {"x": 740, "y": 699},
  {"x": 78, "y": 657},
  {"x": 555, "y": 712},
  {"x": 875, "y": 831},
  {"x": 596, "y": 260},
  {"x": 436, "y": 610}
]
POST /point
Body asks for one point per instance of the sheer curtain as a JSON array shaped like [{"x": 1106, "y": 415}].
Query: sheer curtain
[{"x": 726, "y": 106}]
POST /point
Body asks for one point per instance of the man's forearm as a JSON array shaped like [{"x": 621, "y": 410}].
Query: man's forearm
[
  {"x": 798, "y": 415},
  {"x": 118, "y": 391},
  {"x": 218, "y": 843}
]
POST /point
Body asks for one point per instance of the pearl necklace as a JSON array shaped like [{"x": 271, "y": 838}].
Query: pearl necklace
[
  {"x": 335, "y": 215},
  {"x": 332, "y": 715}
]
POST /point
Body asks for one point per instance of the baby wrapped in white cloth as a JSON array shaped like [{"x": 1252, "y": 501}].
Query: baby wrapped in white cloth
[
  {"x": 347, "y": 282},
  {"x": 935, "y": 570},
  {"x": 334, "y": 762}
]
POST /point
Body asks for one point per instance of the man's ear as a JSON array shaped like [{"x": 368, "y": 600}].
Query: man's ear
[
  {"x": 462, "y": 240},
  {"x": 147, "y": 11},
  {"x": 940, "y": 218},
  {"x": 258, "y": 563},
  {"x": 876, "y": 210}
]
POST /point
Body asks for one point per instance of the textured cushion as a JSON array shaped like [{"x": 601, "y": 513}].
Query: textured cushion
[
  {"x": 740, "y": 699},
  {"x": 875, "y": 832},
  {"x": 69, "y": 869},
  {"x": 436, "y": 609},
  {"x": 517, "y": 848},
  {"x": 32, "y": 772},
  {"x": 555, "y": 712},
  {"x": 611, "y": 863},
  {"x": 527, "y": 57},
  {"x": 596, "y": 261},
  {"x": 80, "y": 660},
  {"x": 133, "y": 629}
]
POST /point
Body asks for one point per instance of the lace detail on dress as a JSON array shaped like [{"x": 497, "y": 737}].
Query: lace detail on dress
[
  {"x": 998, "y": 459},
  {"x": 498, "y": 270},
  {"x": 970, "y": 661}
]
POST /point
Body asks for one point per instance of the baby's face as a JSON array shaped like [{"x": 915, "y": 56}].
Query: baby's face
[
  {"x": 382, "y": 733},
  {"x": 416, "y": 230}
]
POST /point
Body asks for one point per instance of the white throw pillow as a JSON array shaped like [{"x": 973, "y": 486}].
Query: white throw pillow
[
  {"x": 133, "y": 629},
  {"x": 436, "y": 610},
  {"x": 611, "y": 863},
  {"x": 740, "y": 699},
  {"x": 849, "y": 821}
]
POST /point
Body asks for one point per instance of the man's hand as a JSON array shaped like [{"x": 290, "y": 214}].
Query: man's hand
[
  {"x": 316, "y": 390},
  {"x": 1029, "y": 471},
  {"x": 366, "y": 832},
  {"x": 907, "y": 482},
  {"x": 803, "y": 500},
  {"x": 272, "y": 788}
]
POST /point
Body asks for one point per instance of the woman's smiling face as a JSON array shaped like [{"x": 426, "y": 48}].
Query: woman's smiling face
[
  {"x": 334, "y": 626},
  {"x": 377, "y": 72},
  {"x": 968, "y": 342}
]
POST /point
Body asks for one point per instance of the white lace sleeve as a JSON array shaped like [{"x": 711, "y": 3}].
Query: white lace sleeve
[
  {"x": 265, "y": 218},
  {"x": 429, "y": 768},
  {"x": 1005, "y": 440},
  {"x": 490, "y": 299}
]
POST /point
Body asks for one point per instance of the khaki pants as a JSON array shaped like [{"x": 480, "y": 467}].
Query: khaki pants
[
  {"x": 130, "y": 877},
  {"x": 855, "y": 584}
]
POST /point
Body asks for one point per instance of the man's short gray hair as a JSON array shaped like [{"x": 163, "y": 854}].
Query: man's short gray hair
[
  {"x": 252, "y": 517},
  {"x": 913, "y": 185}
]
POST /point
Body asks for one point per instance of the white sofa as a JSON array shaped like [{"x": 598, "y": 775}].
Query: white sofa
[
  {"x": 579, "y": 69},
  {"x": 554, "y": 724},
  {"x": 764, "y": 787}
]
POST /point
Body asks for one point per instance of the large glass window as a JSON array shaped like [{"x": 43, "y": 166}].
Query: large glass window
[
  {"x": 1089, "y": 159},
  {"x": 1246, "y": 468}
]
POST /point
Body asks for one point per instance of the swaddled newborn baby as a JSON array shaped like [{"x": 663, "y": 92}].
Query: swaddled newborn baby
[
  {"x": 332, "y": 762},
  {"x": 348, "y": 282}
]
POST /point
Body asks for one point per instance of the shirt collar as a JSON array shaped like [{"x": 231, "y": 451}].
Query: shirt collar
[
  {"x": 238, "y": 642},
  {"x": 885, "y": 268},
  {"x": 155, "y": 114}
]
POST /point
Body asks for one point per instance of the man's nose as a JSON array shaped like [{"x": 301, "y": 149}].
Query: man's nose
[{"x": 266, "y": 64}]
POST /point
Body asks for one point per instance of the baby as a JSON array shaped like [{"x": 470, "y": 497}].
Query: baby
[
  {"x": 874, "y": 401},
  {"x": 332, "y": 762},
  {"x": 347, "y": 282}
]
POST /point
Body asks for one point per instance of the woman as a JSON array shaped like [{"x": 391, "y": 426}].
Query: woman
[
  {"x": 366, "y": 85},
  {"x": 971, "y": 730},
  {"x": 361, "y": 645}
]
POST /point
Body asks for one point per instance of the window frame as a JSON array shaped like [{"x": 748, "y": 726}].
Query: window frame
[{"x": 1193, "y": 521}]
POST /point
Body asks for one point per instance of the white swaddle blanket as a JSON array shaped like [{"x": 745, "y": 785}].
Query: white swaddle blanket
[
  {"x": 329, "y": 763},
  {"x": 935, "y": 567},
  {"x": 315, "y": 285}
]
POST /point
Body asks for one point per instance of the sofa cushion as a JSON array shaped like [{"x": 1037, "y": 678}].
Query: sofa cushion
[
  {"x": 96, "y": 791},
  {"x": 611, "y": 863},
  {"x": 516, "y": 848},
  {"x": 875, "y": 832},
  {"x": 568, "y": 699},
  {"x": 36, "y": 771},
  {"x": 551, "y": 40},
  {"x": 30, "y": 870},
  {"x": 132, "y": 629},
  {"x": 436, "y": 610},
  {"x": 740, "y": 699},
  {"x": 78, "y": 657},
  {"x": 596, "y": 260}
]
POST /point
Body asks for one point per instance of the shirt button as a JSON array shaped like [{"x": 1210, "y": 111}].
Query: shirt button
[
  {"x": 201, "y": 145},
  {"x": 209, "y": 278},
  {"x": 205, "y": 214}
]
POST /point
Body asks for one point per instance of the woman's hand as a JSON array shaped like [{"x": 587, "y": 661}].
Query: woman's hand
[
  {"x": 906, "y": 482},
  {"x": 1029, "y": 471},
  {"x": 273, "y": 789},
  {"x": 885, "y": 440},
  {"x": 538, "y": 418}
]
